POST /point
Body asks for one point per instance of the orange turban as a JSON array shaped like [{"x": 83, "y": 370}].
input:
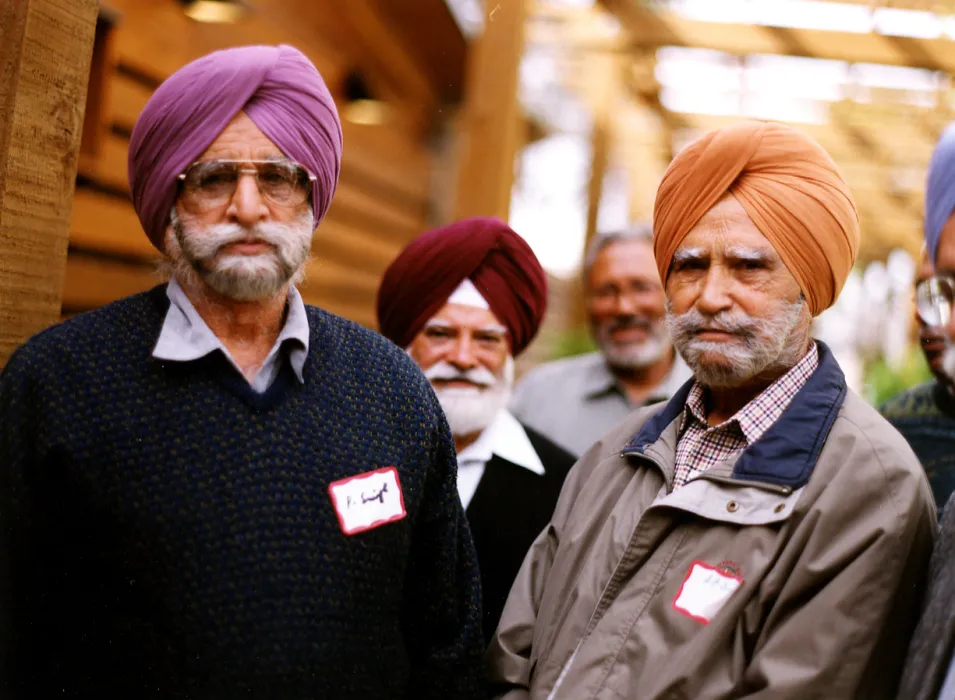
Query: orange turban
[{"x": 789, "y": 186}]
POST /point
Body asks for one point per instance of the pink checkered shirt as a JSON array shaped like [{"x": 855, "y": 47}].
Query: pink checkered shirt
[{"x": 701, "y": 447}]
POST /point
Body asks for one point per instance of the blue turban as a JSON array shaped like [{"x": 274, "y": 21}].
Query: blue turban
[{"x": 940, "y": 190}]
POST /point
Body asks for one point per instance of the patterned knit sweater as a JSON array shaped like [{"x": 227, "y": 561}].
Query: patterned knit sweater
[{"x": 166, "y": 532}]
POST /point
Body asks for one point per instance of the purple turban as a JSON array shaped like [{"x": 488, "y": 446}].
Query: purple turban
[{"x": 276, "y": 86}]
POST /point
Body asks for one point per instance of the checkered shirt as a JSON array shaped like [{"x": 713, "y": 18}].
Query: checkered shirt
[{"x": 701, "y": 447}]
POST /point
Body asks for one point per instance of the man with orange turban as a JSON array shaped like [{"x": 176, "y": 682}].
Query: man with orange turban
[
  {"x": 765, "y": 533},
  {"x": 464, "y": 300},
  {"x": 212, "y": 489}
]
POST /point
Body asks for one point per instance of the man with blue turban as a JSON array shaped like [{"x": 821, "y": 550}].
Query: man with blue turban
[
  {"x": 926, "y": 416},
  {"x": 212, "y": 490}
]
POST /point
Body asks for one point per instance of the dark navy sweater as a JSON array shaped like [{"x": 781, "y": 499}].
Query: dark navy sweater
[{"x": 166, "y": 532}]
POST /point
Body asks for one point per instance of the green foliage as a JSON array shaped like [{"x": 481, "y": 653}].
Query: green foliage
[
  {"x": 882, "y": 382},
  {"x": 576, "y": 341}
]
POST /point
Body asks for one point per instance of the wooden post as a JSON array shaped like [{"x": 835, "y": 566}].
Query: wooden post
[
  {"x": 492, "y": 120},
  {"x": 44, "y": 68},
  {"x": 603, "y": 91}
]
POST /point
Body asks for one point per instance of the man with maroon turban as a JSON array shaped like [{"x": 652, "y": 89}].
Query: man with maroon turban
[
  {"x": 765, "y": 533},
  {"x": 212, "y": 490},
  {"x": 465, "y": 300}
]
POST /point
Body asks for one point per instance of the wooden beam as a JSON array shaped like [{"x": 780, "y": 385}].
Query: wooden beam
[
  {"x": 45, "y": 58},
  {"x": 606, "y": 75},
  {"x": 651, "y": 28},
  {"x": 492, "y": 115}
]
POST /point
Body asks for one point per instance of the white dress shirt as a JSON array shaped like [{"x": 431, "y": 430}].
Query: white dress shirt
[{"x": 504, "y": 437}]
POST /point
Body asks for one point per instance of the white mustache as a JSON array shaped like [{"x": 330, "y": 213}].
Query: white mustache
[
  {"x": 217, "y": 236},
  {"x": 693, "y": 322},
  {"x": 445, "y": 371}
]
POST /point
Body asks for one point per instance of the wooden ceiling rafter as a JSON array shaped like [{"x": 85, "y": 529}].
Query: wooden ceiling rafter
[
  {"x": 791, "y": 45},
  {"x": 658, "y": 28},
  {"x": 891, "y": 211}
]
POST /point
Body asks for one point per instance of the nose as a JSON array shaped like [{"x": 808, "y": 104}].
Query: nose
[
  {"x": 462, "y": 354},
  {"x": 247, "y": 206},
  {"x": 624, "y": 304},
  {"x": 715, "y": 292}
]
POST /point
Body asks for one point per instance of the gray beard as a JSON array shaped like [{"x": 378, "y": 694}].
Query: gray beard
[
  {"x": 195, "y": 257},
  {"x": 764, "y": 345},
  {"x": 634, "y": 356}
]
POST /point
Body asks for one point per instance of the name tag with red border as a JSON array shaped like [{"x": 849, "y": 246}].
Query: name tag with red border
[
  {"x": 366, "y": 501},
  {"x": 704, "y": 591}
]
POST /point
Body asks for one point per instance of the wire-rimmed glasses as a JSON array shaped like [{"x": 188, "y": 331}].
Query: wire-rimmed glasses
[{"x": 211, "y": 184}]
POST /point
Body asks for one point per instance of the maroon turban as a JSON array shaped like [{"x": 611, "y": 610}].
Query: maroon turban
[
  {"x": 496, "y": 259},
  {"x": 276, "y": 86}
]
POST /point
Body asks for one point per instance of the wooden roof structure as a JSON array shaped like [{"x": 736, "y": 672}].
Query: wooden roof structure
[{"x": 881, "y": 136}]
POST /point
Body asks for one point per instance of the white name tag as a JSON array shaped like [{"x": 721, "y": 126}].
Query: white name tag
[
  {"x": 704, "y": 591},
  {"x": 368, "y": 500}
]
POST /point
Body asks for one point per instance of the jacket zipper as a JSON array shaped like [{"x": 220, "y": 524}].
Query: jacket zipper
[{"x": 592, "y": 623}]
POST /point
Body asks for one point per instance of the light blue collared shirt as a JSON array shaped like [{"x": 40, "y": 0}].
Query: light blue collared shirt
[{"x": 185, "y": 337}]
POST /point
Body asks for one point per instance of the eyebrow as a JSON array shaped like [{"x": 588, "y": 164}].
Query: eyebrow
[
  {"x": 738, "y": 252},
  {"x": 436, "y": 323},
  {"x": 686, "y": 254}
]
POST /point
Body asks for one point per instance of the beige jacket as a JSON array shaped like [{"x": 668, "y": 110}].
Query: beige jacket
[{"x": 794, "y": 571}]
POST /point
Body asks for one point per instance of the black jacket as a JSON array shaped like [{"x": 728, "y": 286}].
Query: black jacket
[{"x": 509, "y": 509}]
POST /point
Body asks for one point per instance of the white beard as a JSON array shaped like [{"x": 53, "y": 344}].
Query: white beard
[
  {"x": 194, "y": 253},
  {"x": 471, "y": 410},
  {"x": 633, "y": 356},
  {"x": 765, "y": 343}
]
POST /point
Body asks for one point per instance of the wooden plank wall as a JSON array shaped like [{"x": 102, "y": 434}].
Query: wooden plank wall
[{"x": 382, "y": 199}]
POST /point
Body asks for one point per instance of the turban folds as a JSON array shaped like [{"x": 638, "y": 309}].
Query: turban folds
[
  {"x": 788, "y": 185},
  {"x": 485, "y": 250},
  {"x": 940, "y": 190},
  {"x": 276, "y": 86}
]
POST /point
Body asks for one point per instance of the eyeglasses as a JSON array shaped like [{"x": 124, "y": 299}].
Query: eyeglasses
[
  {"x": 934, "y": 298},
  {"x": 211, "y": 184}
]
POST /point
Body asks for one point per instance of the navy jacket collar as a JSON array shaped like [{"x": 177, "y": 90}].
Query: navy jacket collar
[{"x": 787, "y": 452}]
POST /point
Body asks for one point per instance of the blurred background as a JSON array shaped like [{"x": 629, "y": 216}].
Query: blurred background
[{"x": 559, "y": 116}]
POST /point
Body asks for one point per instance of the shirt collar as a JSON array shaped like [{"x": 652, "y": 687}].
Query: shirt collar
[
  {"x": 755, "y": 417},
  {"x": 185, "y": 336},
  {"x": 506, "y": 438}
]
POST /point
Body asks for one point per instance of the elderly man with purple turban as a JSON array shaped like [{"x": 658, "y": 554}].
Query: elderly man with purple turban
[{"x": 212, "y": 490}]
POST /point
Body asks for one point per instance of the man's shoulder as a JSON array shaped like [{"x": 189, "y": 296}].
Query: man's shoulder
[
  {"x": 911, "y": 403},
  {"x": 545, "y": 374},
  {"x": 859, "y": 417},
  {"x": 93, "y": 334},
  {"x": 862, "y": 437},
  {"x": 362, "y": 351}
]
